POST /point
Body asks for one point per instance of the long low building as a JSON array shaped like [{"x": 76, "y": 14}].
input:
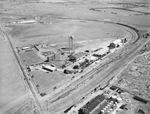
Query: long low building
[
  {"x": 92, "y": 58},
  {"x": 27, "y": 21},
  {"x": 102, "y": 51},
  {"x": 91, "y": 105},
  {"x": 49, "y": 68},
  {"x": 117, "y": 41}
]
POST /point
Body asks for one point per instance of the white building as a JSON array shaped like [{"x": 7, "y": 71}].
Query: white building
[
  {"x": 49, "y": 68},
  {"x": 27, "y": 21},
  {"x": 92, "y": 58},
  {"x": 102, "y": 51},
  {"x": 117, "y": 41}
]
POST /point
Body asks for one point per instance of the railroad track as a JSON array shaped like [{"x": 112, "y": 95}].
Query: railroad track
[
  {"x": 97, "y": 69},
  {"x": 96, "y": 82},
  {"x": 130, "y": 55},
  {"x": 90, "y": 74}
]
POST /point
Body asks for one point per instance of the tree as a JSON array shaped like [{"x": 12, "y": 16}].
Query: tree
[
  {"x": 37, "y": 86},
  {"x": 54, "y": 87},
  {"x": 32, "y": 76}
]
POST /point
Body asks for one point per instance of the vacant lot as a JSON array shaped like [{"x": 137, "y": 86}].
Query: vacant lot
[
  {"x": 11, "y": 84},
  {"x": 30, "y": 57},
  {"x": 135, "y": 77},
  {"x": 47, "y": 81},
  {"x": 59, "y": 31}
]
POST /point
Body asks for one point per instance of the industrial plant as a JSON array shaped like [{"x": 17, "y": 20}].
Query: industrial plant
[
  {"x": 67, "y": 56},
  {"x": 74, "y": 57}
]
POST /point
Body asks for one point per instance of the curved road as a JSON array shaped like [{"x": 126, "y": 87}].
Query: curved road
[{"x": 73, "y": 92}]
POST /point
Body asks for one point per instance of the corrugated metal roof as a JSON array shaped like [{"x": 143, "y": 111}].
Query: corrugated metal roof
[{"x": 102, "y": 51}]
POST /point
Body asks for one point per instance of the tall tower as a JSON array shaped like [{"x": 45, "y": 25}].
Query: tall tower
[{"x": 70, "y": 43}]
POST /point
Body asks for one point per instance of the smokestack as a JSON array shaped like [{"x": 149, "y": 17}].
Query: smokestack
[{"x": 70, "y": 43}]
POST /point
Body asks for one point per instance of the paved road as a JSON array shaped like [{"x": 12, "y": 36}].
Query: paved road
[{"x": 125, "y": 9}]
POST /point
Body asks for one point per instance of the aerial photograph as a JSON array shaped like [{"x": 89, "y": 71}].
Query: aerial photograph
[{"x": 74, "y": 56}]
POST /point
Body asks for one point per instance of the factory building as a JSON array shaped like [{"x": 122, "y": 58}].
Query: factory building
[
  {"x": 117, "y": 43},
  {"x": 99, "y": 105},
  {"x": 107, "y": 106},
  {"x": 113, "y": 87},
  {"x": 84, "y": 64},
  {"x": 102, "y": 52},
  {"x": 92, "y": 58},
  {"x": 84, "y": 61},
  {"x": 88, "y": 107}
]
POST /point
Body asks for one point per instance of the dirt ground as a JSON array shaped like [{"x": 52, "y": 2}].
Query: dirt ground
[
  {"x": 11, "y": 84},
  {"x": 59, "y": 19},
  {"x": 55, "y": 32},
  {"x": 47, "y": 81}
]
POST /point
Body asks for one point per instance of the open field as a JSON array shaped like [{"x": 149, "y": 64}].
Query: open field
[
  {"x": 29, "y": 58},
  {"x": 54, "y": 22},
  {"x": 47, "y": 81},
  {"x": 11, "y": 82},
  {"x": 135, "y": 77},
  {"x": 55, "y": 32}
]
